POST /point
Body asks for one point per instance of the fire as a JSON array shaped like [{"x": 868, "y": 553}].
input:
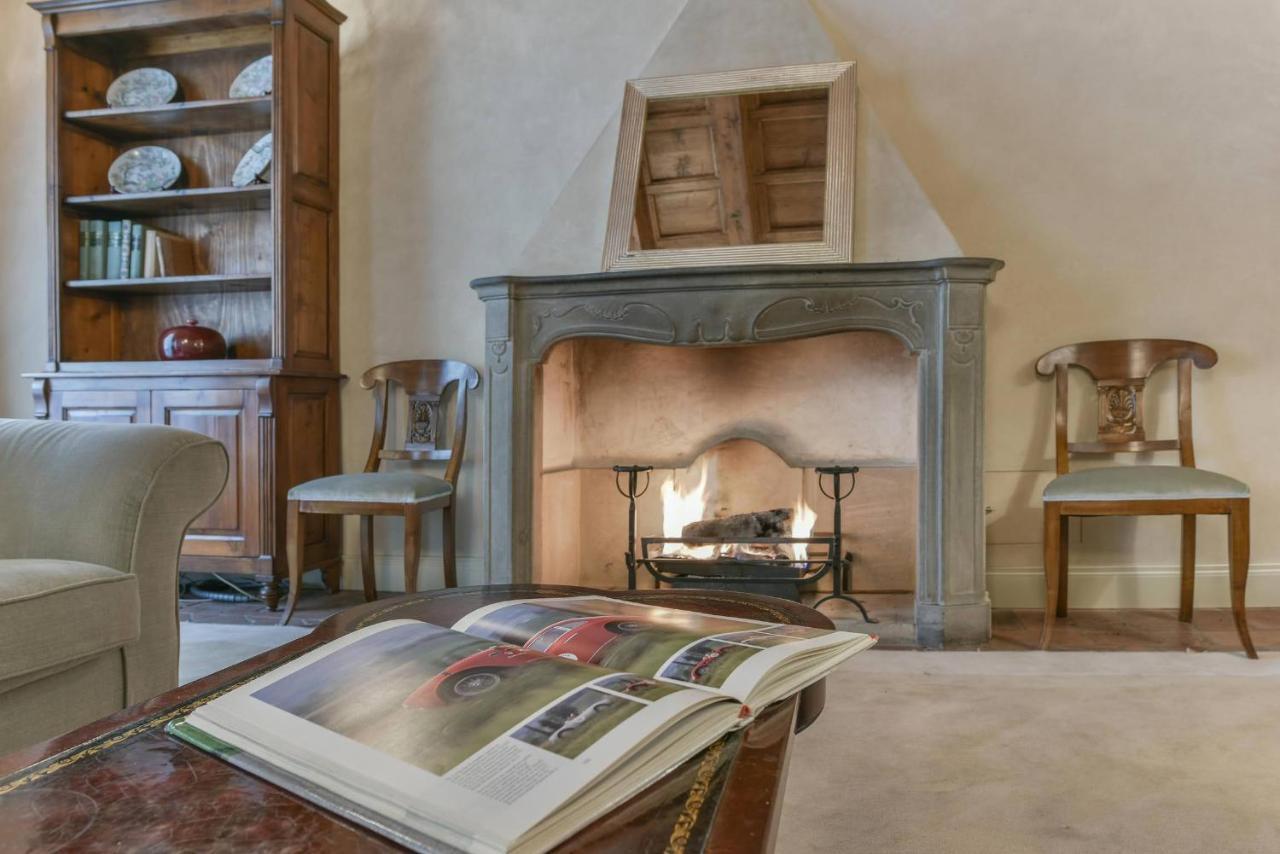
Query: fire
[
  {"x": 679, "y": 508},
  {"x": 803, "y": 518},
  {"x": 683, "y": 505}
]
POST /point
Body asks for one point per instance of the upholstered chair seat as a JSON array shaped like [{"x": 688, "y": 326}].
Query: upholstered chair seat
[
  {"x": 384, "y": 487},
  {"x": 1143, "y": 483},
  {"x": 98, "y": 606}
]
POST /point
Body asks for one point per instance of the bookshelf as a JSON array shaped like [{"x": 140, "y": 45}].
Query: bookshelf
[{"x": 266, "y": 277}]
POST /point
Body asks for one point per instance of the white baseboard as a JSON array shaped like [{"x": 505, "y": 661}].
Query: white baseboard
[
  {"x": 389, "y": 571},
  {"x": 1132, "y": 587}
]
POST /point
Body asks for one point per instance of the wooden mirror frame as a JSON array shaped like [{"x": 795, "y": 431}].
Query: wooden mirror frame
[{"x": 840, "y": 78}]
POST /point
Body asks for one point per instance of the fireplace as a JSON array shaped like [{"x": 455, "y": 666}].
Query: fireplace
[
  {"x": 774, "y": 552},
  {"x": 700, "y": 335}
]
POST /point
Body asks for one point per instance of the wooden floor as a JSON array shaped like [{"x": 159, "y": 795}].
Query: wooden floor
[
  {"x": 1012, "y": 629},
  {"x": 1131, "y": 631}
]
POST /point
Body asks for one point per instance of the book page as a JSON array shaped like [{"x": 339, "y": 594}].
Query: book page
[
  {"x": 729, "y": 655},
  {"x": 482, "y": 738}
]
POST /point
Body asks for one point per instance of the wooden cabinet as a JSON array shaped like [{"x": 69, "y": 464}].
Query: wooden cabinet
[
  {"x": 278, "y": 431},
  {"x": 267, "y": 254},
  {"x": 101, "y": 406},
  {"x": 230, "y": 528}
]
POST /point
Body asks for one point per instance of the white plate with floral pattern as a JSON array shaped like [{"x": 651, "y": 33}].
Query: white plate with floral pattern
[
  {"x": 255, "y": 165},
  {"x": 146, "y": 169},
  {"x": 254, "y": 81},
  {"x": 142, "y": 87}
]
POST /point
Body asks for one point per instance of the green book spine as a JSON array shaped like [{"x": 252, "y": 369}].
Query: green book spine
[
  {"x": 84, "y": 249},
  {"x": 113, "y": 249},
  {"x": 126, "y": 246},
  {"x": 135, "y": 250},
  {"x": 97, "y": 249}
]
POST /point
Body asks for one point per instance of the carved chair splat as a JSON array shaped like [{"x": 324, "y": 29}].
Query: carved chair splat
[
  {"x": 405, "y": 493},
  {"x": 1120, "y": 370}
]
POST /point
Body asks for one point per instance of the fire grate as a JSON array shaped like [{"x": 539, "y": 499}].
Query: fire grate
[{"x": 779, "y": 576}]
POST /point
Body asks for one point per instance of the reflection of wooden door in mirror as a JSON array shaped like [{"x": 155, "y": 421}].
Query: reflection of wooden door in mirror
[{"x": 732, "y": 170}]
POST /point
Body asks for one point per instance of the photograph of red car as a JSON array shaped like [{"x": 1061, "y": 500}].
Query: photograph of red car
[
  {"x": 636, "y": 686},
  {"x": 622, "y": 636},
  {"x": 707, "y": 662},
  {"x": 425, "y": 695},
  {"x": 583, "y": 638},
  {"x": 471, "y": 677}
]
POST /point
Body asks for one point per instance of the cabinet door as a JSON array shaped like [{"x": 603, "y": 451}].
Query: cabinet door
[
  {"x": 231, "y": 527},
  {"x": 109, "y": 406}
]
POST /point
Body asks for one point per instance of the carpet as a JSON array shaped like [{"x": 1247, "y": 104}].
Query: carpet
[
  {"x": 209, "y": 647},
  {"x": 1027, "y": 752}
]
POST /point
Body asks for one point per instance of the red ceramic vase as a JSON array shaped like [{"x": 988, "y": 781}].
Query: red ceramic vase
[{"x": 192, "y": 341}]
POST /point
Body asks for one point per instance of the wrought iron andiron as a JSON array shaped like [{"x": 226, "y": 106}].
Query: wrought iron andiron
[
  {"x": 841, "y": 575},
  {"x": 633, "y": 476}
]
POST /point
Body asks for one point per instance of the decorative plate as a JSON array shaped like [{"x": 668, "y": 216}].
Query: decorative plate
[
  {"x": 146, "y": 169},
  {"x": 254, "y": 81},
  {"x": 255, "y": 165},
  {"x": 142, "y": 87}
]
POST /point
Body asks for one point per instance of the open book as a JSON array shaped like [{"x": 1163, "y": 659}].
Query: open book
[{"x": 518, "y": 726}]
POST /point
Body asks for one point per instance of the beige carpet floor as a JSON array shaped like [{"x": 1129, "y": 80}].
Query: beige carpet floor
[
  {"x": 208, "y": 647},
  {"x": 994, "y": 752}
]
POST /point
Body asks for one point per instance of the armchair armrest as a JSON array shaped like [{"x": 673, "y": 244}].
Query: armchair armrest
[{"x": 121, "y": 496}]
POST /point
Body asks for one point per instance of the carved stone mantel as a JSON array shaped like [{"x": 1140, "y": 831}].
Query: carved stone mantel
[{"x": 935, "y": 307}]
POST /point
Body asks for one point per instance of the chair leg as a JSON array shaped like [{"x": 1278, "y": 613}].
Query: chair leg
[
  {"x": 1052, "y": 568},
  {"x": 333, "y": 577},
  {"x": 1063, "y": 544},
  {"x": 412, "y": 547},
  {"x": 1238, "y": 540},
  {"x": 1187, "y": 601},
  {"x": 450, "y": 555},
  {"x": 295, "y": 542},
  {"x": 367, "y": 576}
]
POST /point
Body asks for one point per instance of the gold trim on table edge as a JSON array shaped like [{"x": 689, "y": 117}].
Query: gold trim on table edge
[
  {"x": 695, "y": 799},
  {"x": 96, "y": 745}
]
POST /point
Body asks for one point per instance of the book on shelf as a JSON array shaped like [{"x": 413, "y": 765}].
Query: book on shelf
[
  {"x": 123, "y": 249},
  {"x": 97, "y": 249},
  {"x": 166, "y": 254},
  {"x": 113, "y": 249},
  {"x": 126, "y": 247},
  {"x": 84, "y": 249},
  {"x": 136, "y": 245},
  {"x": 517, "y": 726}
]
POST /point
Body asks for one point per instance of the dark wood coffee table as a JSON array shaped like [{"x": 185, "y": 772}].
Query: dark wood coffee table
[{"x": 122, "y": 784}]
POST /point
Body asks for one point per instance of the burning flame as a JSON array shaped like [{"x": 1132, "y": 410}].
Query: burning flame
[
  {"x": 803, "y": 518},
  {"x": 679, "y": 508},
  {"x": 682, "y": 506}
]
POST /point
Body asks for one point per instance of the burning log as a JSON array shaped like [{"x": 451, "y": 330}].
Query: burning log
[{"x": 743, "y": 526}]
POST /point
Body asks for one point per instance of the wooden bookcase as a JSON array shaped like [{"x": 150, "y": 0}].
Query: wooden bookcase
[{"x": 268, "y": 253}]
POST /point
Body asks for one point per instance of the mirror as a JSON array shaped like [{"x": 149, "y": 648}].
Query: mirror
[{"x": 736, "y": 167}]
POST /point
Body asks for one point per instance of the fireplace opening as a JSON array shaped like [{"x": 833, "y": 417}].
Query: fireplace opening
[{"x": 733, "y": 438}]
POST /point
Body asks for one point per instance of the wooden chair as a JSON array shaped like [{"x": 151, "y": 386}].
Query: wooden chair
[
  {"x": 393, "y": 493},
  {"x": 1120, "y": 370}
]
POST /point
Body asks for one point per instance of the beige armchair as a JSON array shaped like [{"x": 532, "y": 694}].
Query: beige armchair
[{"x": 92, "y": 518}]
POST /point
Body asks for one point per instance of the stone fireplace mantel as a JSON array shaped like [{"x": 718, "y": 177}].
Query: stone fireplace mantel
[{"x": 934, "y": 307}]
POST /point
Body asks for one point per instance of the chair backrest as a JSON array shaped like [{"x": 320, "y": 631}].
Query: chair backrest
[
  {"x": 424, "y": 381},
  {"x": 1120, "y": 370}
]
